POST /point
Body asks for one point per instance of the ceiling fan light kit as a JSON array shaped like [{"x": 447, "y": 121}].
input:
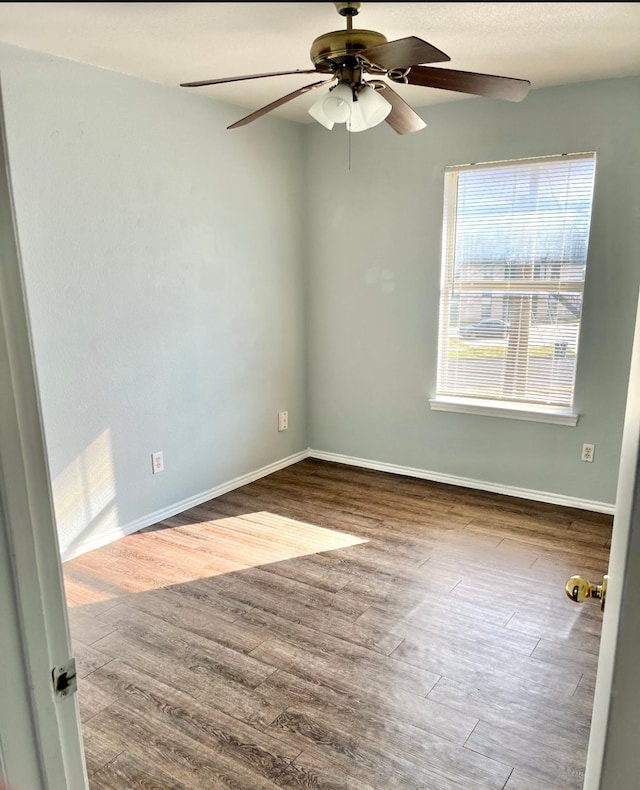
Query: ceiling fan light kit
[
  {"x": 348, "y": 55},
  {"x": 337, "y": 105},
  {"x": 316, "y": 111},
  {"x": 373, "y": 107},
  {"x": 359, "y": 108}
]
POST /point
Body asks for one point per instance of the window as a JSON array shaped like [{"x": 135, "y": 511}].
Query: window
[{"x": 515, "y": 242}]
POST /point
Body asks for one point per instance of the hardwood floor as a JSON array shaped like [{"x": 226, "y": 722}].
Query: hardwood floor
[{"x": 330, "y": 627}]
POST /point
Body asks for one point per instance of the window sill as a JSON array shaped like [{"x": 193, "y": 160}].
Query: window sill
[{"x": 508, "y": 411}]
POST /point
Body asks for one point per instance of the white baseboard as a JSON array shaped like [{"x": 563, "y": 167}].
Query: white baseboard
[
  {"x": 465, "y": 482},
  {"x": 238, "y": 482},
  {"x": 180, "y": 507}
]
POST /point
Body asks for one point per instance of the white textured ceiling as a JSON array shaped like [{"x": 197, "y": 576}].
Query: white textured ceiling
[{"x": 170, "y": 43}]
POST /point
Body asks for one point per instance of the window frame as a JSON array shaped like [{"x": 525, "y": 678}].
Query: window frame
[{"x": 519, "y": 409}]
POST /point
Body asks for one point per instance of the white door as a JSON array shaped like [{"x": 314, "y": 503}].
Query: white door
[
  {"x": 40, "y": 735},
  {"x": 19, "y": 751},
  {"x": 613, "y": 761}
]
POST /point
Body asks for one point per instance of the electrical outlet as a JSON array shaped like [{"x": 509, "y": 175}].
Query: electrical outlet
[
  {"x": 283, "y": 420},
  {"x": 157, "y": 463},
  {"x": 588, "y": 451}
]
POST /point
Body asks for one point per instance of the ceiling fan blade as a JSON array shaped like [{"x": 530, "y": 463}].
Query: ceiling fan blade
[
  {"x": 403, "y": 53},
  {"x": 278, "y": 103},
  {"x": 402, "y": 118},
  {"x": 467, "y": 82},
  {"x": 245, "y": 77}
]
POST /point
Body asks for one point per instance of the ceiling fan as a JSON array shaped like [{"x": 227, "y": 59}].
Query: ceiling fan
[{"x": 348, "y": 55}]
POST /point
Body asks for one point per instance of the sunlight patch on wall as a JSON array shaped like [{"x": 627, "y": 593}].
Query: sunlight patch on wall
[
  {"x": 193, "y": 550},
  {"x": 84, "y": 495}
]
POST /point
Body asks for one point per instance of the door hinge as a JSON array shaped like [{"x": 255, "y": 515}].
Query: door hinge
[{"x": 65, "y": 679}]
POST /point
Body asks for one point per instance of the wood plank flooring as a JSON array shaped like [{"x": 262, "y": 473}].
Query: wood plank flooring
[{"x": 330, "y": 627}]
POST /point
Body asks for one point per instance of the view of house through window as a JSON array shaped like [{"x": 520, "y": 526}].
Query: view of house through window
[{"x": 515, "y": 243}]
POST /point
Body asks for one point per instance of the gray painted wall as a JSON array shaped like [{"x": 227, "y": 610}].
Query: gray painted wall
[
  {"x": 374, "y": 242},
  {"x": 165, "y": 257},
  {"x": 164, "y": 266}
]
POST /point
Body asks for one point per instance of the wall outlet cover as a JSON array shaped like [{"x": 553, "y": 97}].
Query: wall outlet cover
[
  {"x": 588, "y": 451},
  {"x": 157, "y": 463}
]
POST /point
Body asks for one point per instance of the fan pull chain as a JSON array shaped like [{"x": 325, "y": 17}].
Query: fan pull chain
[{"x": 349, "y": 136}]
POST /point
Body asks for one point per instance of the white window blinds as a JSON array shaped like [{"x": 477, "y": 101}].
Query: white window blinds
[{"x": 515, "y": 242}]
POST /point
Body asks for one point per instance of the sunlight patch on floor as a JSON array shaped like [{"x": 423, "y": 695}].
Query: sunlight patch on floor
[{"x": 157, "y": 558}]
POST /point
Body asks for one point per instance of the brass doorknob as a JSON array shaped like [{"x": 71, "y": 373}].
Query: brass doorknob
[{"x": 579, "y": 589}]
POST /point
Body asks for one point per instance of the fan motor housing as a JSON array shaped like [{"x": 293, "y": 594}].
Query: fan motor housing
[{"x": 342, "y": 46}]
